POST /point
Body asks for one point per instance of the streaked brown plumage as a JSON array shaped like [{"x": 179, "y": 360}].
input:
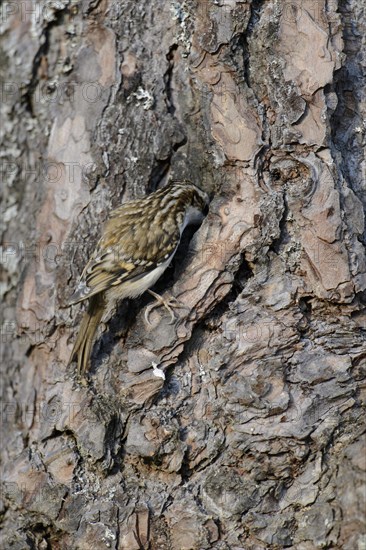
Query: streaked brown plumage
[{"x": 138, "y": 243}]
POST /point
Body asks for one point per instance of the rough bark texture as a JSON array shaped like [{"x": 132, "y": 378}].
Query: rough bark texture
[{"x": 254, "y": 439}]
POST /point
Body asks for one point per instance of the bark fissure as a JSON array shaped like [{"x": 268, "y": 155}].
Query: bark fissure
[{"x": 36, "y": 64}]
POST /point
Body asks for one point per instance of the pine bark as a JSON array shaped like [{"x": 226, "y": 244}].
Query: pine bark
[{"x": 254, "y": 439}]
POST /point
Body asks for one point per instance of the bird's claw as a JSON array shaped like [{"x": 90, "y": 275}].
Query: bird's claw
[{"x": 168, "y": 304}]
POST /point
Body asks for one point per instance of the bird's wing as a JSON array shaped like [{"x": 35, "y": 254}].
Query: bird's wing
[
  {"x": 102, "y": 272},
  {"x": 129, "y": 249}
]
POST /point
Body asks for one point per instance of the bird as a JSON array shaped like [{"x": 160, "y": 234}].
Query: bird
[{"x": 137, "y": 244}]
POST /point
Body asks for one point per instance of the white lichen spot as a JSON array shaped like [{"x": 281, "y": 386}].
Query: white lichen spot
[
  {"x": 108, "y": 534},
  {"x": 10, "y": 213},
  {"x": 181, "y": 14},
  {"x": 145, "y": 96},
  {"x": 105, "y": 159}
]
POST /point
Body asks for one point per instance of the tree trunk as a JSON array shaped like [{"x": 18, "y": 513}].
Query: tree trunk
[{"x": 254, "y": 438}]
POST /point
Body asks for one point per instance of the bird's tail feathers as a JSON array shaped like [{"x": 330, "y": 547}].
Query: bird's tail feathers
[{"x": 89, "y": 324}]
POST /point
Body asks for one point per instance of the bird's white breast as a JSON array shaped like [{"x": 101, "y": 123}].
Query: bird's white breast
[{"x": 134, "y": 288}]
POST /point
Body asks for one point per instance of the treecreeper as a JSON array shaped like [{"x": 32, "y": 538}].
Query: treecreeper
[{"x": 138, "y": 242}]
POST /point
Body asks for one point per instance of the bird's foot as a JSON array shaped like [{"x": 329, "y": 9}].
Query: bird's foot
[{"x": 168, "y": 304}]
